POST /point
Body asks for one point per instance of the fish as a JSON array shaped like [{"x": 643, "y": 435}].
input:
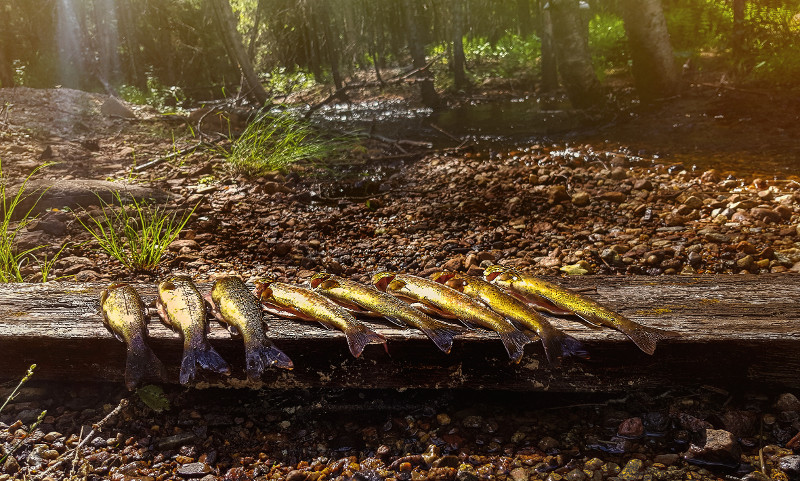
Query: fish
[
  {"x": 532, "y": 289},
  {"x": 449, "y": 301},
  {"x": 294, "y": 301},
  {"x": 367, "y": 300},
  {"x": 556, "y": 343},
  {"x": 181, "y": 307},
  {"x": 124, "y": 315},
  {"x": 233, "y": 304}
]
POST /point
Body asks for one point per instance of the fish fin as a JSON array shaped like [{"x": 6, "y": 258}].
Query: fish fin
[
  {"x": 204, "y": 355},
  {"x": 396, "y": 321},
  {"x": 540, "y": 304},
  {"x": 589, "y": 322},
  {"x": 558, "y": 344},
  {"x": 358, "y": 336},
  {"x": 259, "y": 356},
  {"x": 161, "y": 309},
  {"x": 514, "y": 342},
  {"x": 442, "y": 335},
  {"x": 324, "y": 326},
  {"x": 142, "y": 363},
  {"x": 646, "y": 337}
]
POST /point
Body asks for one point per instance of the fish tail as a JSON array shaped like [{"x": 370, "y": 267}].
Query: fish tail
[
  {"x": 204, "y": 355},
  {"x": 259, "y": 356},
  {"x": 142, "y": 363},
  {"x": 358, "y": 336},
  {"x": 442, "y": 335},
  {"x": 514, "y": 342},
  {"x": 646, "y": 337},
  {"x": 558, "y": 344}
]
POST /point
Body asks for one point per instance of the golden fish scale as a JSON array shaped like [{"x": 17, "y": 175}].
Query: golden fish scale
[
  {"x": 311, "y": 304},
  {"x": 184, "y": 303},
  {"x": 237, "y": 305},
  {"x": 124, "y": 311}
]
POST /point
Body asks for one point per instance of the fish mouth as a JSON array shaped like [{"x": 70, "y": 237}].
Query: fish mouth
[
  {"x": 318, "y": 279},
  {"x": 442, "y": 276},
  {"x": 490, "y": 276},
  {"x": 262, "y": 289},
  {"x": 381, "y": 280}
]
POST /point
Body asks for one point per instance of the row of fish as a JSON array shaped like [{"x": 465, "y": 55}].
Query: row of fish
[{"x": 506, "y": 301}]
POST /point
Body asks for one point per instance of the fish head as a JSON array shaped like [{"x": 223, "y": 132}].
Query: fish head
[
  {"x": 263, "y": 290},
  {"x": 319, "y": 278},
  {"x": 450, "y": 279},
  {"x": 166, "y": 286},
  {"x": 108, "y": 290},
  {"x": 381, "y": 280},
  {"x": 500, "y": 274}
]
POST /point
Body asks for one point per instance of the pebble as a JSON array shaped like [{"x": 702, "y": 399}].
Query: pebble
[
  {"x": 787, "y": 402},
  {"x": 520, "y": 474},
  {"x": 631, "y": 470},
  {"x": 719, "y": 447},
  {"x": 194, "y": 470},
  {"x": 666, "y": 459},
  {"x": 790, "y": 465},
  {"x": 581, "y": 199},
  {"x": 631, "y": 428},
  {"x": 547, "y": 443}
]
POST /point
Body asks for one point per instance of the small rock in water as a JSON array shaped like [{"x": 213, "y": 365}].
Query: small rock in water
[
  {"x": 194, "y": 470},
  {"x": 787, "y": 402},
  {"x": 631, "y": 428},
  {"x": 581, "y": 199},
  {"x": 719, "y": 447},
  {"x": 519, "y": 474},
  {"x": 666, "y": 459},
  {"x": 790, "y": 465},
  {"x": 631, "y": 470}
]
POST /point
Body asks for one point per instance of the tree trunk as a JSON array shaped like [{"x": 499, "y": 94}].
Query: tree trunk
[
  {"x": 135, "y": 76},
  {"x": 738, "y": 36},
  {"x": 226, "y": 22},
  {"x": 6, "y": 61},
  {"x": 429, "y": 96},
  {"x": 654, "y": 68},
  {"x": 459, "y": 59},
  {"x": 571, "y": 40},
  {"x": 251, "y": 47},
  {"x": 524, "y": 17},
  {"x": 549, "y": 65}
]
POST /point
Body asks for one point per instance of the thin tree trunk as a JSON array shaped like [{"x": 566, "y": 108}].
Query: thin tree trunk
[
  {"x": 549, "y": 65},
  {"x": 429, "y": 96},
  {"x": 6, "y": 62},
  {"x": 459, "y": 59},
  {"x": 570, "y": 36},
  {"x": 654, "y": 68},
  {"x": 738, "y": 36},
  {"x": 251, "y": 47},
  {"x": 236, "y": 51},
  {"x": 524, "y": 17},
  {"x": 135, "y": 76}
]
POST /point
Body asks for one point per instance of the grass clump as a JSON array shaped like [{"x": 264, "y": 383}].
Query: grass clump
[
  {"x": 276, "y": 140},
  {"x": 12, "y": 260},
  {"x": 136, "y": 233},
  {"x": 30, "y": 428}
]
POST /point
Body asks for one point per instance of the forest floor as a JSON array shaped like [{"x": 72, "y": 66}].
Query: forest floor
[{"x": 705, "y": 183}]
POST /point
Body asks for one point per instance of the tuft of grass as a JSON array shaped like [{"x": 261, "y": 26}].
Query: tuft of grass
[
  {"x": 30, "y": 428},
  {"x": 137, "y": 233},
  {"x": 12, "y": 260},
  {"x": 276, "y": 140}
]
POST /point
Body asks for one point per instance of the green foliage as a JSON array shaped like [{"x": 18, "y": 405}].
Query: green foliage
[
  {"x": 608, "y": 43},
  {"x": 276, "y": 140},
  {"x": 136, "y": 234},
  {"x": 509, "y": 56},
  {"x": 156, "y": 94},
  {"x": 12, "y": 260},
  {"x": 153, "y": 396}
]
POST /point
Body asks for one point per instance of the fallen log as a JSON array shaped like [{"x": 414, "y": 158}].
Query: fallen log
[{"x": 735, "y": 330}]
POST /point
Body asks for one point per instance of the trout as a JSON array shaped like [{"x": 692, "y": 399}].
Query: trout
[
  {"x": 450, "y": 301},
  {"x": 124, "y": 315},
  {"x": 233, "y": 304},
  {"x": 181, "y": 307},
  {"x": 366, "y": 300},
  {"x": 294, "y": 301},
  {"x": 532, "y": 289},
  {"x": 555, "y": 342}
]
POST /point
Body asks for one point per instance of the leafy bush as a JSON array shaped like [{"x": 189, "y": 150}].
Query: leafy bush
[{"x": 136, "y": 234}]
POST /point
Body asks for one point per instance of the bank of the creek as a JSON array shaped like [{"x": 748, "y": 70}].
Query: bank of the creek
[{"x": 694, "y": 187}]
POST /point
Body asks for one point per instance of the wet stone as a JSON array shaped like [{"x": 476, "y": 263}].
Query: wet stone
[
  {"x": 790, "y": 465},
  {"x": 631, "y": 428},
  {"x": 719, "y": 447},
  {"x": 519, "y": 474},
  {"x": 666, "y": 459},
  {"x": 787, "y": 402},
  {"x": 631, "y": 470},
  {"x": 194, "y": 470}
]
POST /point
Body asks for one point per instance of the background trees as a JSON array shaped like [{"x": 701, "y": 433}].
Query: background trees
[{"x": 203, "y": 49}]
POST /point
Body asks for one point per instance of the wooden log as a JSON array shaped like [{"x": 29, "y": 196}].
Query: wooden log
[{"x": 734, "y": 330}]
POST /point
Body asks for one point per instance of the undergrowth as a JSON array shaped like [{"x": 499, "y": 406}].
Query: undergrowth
[
  {"x": 276, "y": 140},
  {"x": 15, "y": 219},
  {"x": 30, "y": 428},
  {"x": 136, "y": 233}
]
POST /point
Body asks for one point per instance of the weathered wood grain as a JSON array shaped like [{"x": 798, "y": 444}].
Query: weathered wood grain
[{"x": 734, "y": 330}]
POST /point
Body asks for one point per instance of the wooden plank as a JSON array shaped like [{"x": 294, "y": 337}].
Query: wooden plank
[{"x": 734, "y": 330}]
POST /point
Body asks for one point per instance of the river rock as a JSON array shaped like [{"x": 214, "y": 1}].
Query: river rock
[
  {"x": 557, "y": 194},
  {"x": 790, "y": 465},
  {"x": 718, "y": 447},
  {"x": 765, "y": 214},
  {"x": 787, "y": 402},
  {"x": 631, "y": 428},
  {"x": 614, "y": 196},
  {"x": 581, "y": 199},
  {"x": 114, "y": 107},
  {"x": 74, "y": 193},
  {"x": 194, "y": 470}
]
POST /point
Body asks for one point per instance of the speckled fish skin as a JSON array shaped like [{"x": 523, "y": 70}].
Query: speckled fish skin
[
  {"x": 365, "y": 298},
  {"x": 181, "y": 306},
  {"x": 534, "y": 289},
  {"x": 235, "y": 305},
  {"x": 124, "y": 314},
  {"x": 311, "y": 306},
  {"x": 556, "y": 343},
  {"x": 463, "y": 307}
]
